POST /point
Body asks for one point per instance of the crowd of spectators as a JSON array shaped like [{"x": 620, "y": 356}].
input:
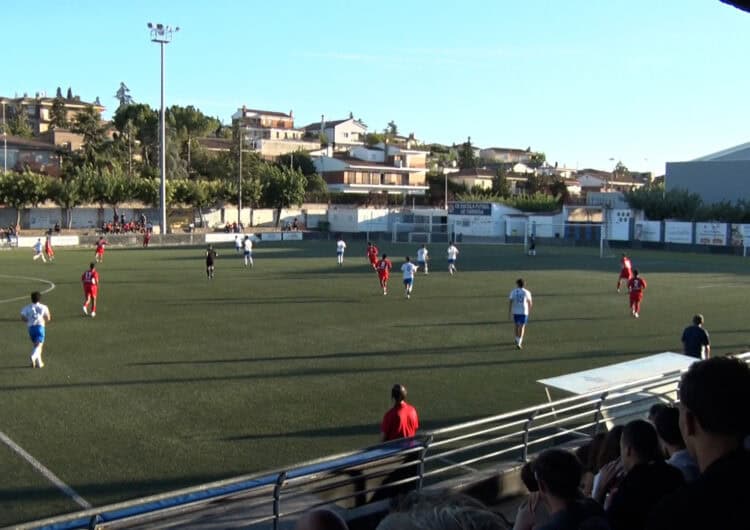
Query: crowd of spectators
[
  {"x": 120, "y": 225},
  {"x": 9, "y": 235}
]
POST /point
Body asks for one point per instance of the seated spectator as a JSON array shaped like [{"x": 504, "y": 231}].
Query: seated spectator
[
  {"x": 400, "y": 421},
  {"x": 441, "y": 510},
  {"x": 532, "y": 512},
  {"x": 583, "y": 454},
  {"x": 654, "y": 410},
  {"x": 321, "y": 519},
  {"x": 608, "y": 452},
  {"x": 639, "y": 480},
  {"x": 667, "y": 425},
  {"x": 714, "y": 419},
  {"x": 558, "y": 473}
]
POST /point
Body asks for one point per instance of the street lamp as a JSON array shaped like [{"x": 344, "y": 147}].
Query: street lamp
[
  {"x": 163, "y": 35},
  {"x": 5, "y": 143},
  {"x": 239, "y": 179}
]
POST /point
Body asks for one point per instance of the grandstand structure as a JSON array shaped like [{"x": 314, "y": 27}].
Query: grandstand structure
[{"x": 472, "y": 456}]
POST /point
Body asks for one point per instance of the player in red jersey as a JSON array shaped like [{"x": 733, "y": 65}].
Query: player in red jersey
[
  {"x": 384, "y": 266},
  {"x": 146, "y": 238},
  {"x": 90, "y": 281},
  {"x": 372, "y": 254},
  {"x": 48, "y": 250},
  {"x": 636, "y": 286},
  {"x": 626, "y": 271},
  {"x": 99, "y": 253}
]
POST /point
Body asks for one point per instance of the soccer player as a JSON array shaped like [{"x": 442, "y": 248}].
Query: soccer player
[
  {"x": 48, "y": 250},
  {"x": 340, "y": 248},
  {"x": 519, "y": 307},
  {"x": 99, "y": 253},
  {"x": 36, "y": 315},
  {"x": 238, "y": 244},
  {"x": 372, "y": 254},
  {"x": 247, "y": 246},
  {"x": 626, "y": 271},
  {"x": 408, "y": 269},
  {"x": 211, "y": 255},
  {"x": 146, "y": 238},
  {"x": 636, "y": 286},
  {"x": 90, "y": 281},
  {"x": 39, "y": 251},
  {"x": 452, "y": 256},
  {"x": 384, "y": 267},
  {"x": 422, "y": 256},
  {"x": 532, "y": 245}
]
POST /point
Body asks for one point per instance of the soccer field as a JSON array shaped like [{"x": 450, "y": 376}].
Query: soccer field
[{"x": 180, "y": 380}]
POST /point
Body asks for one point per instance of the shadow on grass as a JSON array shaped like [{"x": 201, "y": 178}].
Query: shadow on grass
[
  {"x": 318, "y": 372},
  {"x": 265, "y": 301}
]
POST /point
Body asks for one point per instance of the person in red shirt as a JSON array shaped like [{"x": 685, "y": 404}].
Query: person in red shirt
[
  {"x": 372, "y": 254},
  {"x": 90, "y": 281},
  {"x": 636, "y": 286},
  {"x": 626, "y": 271},
  {"x": 384, "y": 266},
  {"x": 146, "y": 238},
  {"x": 99, "y": 253},
  {"x": 48, "y": 250},
  {"x": 401, "y": 421}
]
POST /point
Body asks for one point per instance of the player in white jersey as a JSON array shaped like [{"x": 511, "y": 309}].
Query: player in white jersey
[
  {"x": 422, "y": 256},
  {"x": 452, "y": 257},
  {"x": 36, "y": 315},
  {"x": 408, "y": 269},
  {"x": 39, "y": 251},
  {"x": 340, "y": 248},
  {"x": 247, "y": 246},
  {"x": 237, "y": 244},
  {"x": 519, "y": 306}
]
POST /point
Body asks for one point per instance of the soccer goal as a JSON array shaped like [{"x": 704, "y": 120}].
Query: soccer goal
[
  {"x": 553, "y": 234},
  {"x": 421, "y": 232}
]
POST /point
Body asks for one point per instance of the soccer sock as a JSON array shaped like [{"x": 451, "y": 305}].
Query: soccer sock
[{"x": 36, "y": 353}]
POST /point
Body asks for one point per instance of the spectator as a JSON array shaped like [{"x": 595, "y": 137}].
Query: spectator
[
  {"x": 558, "y": 473},
  {"x": 583, "y": 454},
  {"x": 695, "y": 341},
  {"x": 714, "y": 419},
  {"x": 401, "y": 421},
  {"x": 441, "y": 510},
  {"x": 654, "y": 410},
  {"x": 667, "y": 423},
  {"x": 532, "y": 512},
  {"x": 639, "y": 480},
  {"x": 321, "y": 519},
  {"x": 608, "y": 452}
]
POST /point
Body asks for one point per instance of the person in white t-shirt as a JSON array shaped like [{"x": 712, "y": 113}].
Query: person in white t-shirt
[
  {"x": 39, "y": 251},
  {"x": 519, "y": 306},
  {"x": 423, "y": 255},
  {"x": 36, "y": 315},
  {"x": 247, "y": 246},
  {"x": 408, "y": 269},
  {"x": 340, "y": 248},
  {"x": 452, "y": 257},
  {"x": 237, "y": 244}
]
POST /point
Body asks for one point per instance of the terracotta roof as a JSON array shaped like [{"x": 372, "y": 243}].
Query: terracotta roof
[
  {"x": 266, "y": 112},
  {"x": 506, "y": 149},
  {"x": 332, "y": 123},
  {"x": 30, "y": 144},
  {"x": 49, "y": 101}
]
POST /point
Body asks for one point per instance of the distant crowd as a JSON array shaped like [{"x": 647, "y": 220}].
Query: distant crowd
[{"x": 119, "y": 225}]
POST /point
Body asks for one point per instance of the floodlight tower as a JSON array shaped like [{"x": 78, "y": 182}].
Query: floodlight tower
[{"x": 163, "y": 35}]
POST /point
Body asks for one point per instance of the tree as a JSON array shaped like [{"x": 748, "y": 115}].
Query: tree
[
  {"x": 391, "y": 129},
  {"x": 299, "y": 160},
  {"x": 123, "y": 95},
  {"x": 500, "y": 184},
  {"x": 88, "y": 124},
  {"x": 282, "y": 188},
  {"x": 189, "y": 123},
  {"x": 69, "y": 95},
  {"x": 537, "y": 160},
  {"x": 22, "y": 191},
  {"x": 18, "y": 124},
  {"x": 68, "y": 192},
  {"x": 373, "y": 139},
  {"x": 621, "y": 172},
  {"x": 145, "y": 123},
  {"x": 466, "y": 158},
  {"x": 109, "y": 186},
  {"x": 58, "y": 114}
]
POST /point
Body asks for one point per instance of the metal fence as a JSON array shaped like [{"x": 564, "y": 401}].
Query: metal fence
[{"x": 361, "y": 477}]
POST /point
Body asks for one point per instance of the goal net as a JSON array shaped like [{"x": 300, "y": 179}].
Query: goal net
[
  {"x": 543, "y": 236},
  {"x": 421, "y": 232}
]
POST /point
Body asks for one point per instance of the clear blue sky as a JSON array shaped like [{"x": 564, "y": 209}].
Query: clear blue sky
[{"x": 582, "y": 80}]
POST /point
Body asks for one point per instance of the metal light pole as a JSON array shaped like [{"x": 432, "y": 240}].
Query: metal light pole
[
  {"x": 5, "y": 143},
  {"x": 239, "y": 182},
  {"x": 163, "y": 35}
]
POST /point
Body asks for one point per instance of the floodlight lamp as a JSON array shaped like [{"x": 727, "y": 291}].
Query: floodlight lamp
[
  {"x": 177, "y": 29},
  {"x": 160, "y": 27},
  {"x": 150, "y": 25}
]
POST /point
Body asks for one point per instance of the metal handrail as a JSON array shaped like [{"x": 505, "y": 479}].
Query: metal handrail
[{"x": 481, "y": 440}]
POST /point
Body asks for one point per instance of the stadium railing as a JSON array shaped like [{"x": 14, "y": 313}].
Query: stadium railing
[{"x": 357, "y": 478}]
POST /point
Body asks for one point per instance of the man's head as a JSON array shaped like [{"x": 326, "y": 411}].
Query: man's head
[
  {"x": 654, "y": 410},
  {"x": 398, "y": 393},
  {"x": 528, "y": 478},
  {"x": 385, "y": 256},
  {"x": 35, "y": 297},
  {"x": 667, "y": 424},
  {"x": 635, "y": 273},
  {"x": 698, "y": 319},
  {"x": 558, "y": 473},
  {"x": 520, "y": 282},
  {"x": 714, "y": 397},
  {"x": 92, "y": 266},
  {"x": 638, "y": 444},
  {"x": 321, "y": 519},
  {"x": 408, "y": 259},
  {"x": 440, "y": 510}
]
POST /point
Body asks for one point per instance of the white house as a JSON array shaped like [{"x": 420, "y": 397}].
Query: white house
[{"x": 341, "y": 134}]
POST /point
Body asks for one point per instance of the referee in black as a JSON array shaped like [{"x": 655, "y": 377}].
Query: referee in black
[{"x": 695, "y": 341}]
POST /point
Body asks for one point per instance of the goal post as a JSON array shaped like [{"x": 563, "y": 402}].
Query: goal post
[
  {"x": 421, "y": 232},
  {"x": 556, "y": 234}
]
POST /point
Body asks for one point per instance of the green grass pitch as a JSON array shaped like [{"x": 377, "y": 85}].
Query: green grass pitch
[{"x": 180, "y": 380}]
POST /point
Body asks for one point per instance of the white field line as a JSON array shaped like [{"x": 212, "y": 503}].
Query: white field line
[
  {"x": 49, "y": 475},
  {"x": 712, "y": 285},
  {"x": 18, "y": 298}
]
